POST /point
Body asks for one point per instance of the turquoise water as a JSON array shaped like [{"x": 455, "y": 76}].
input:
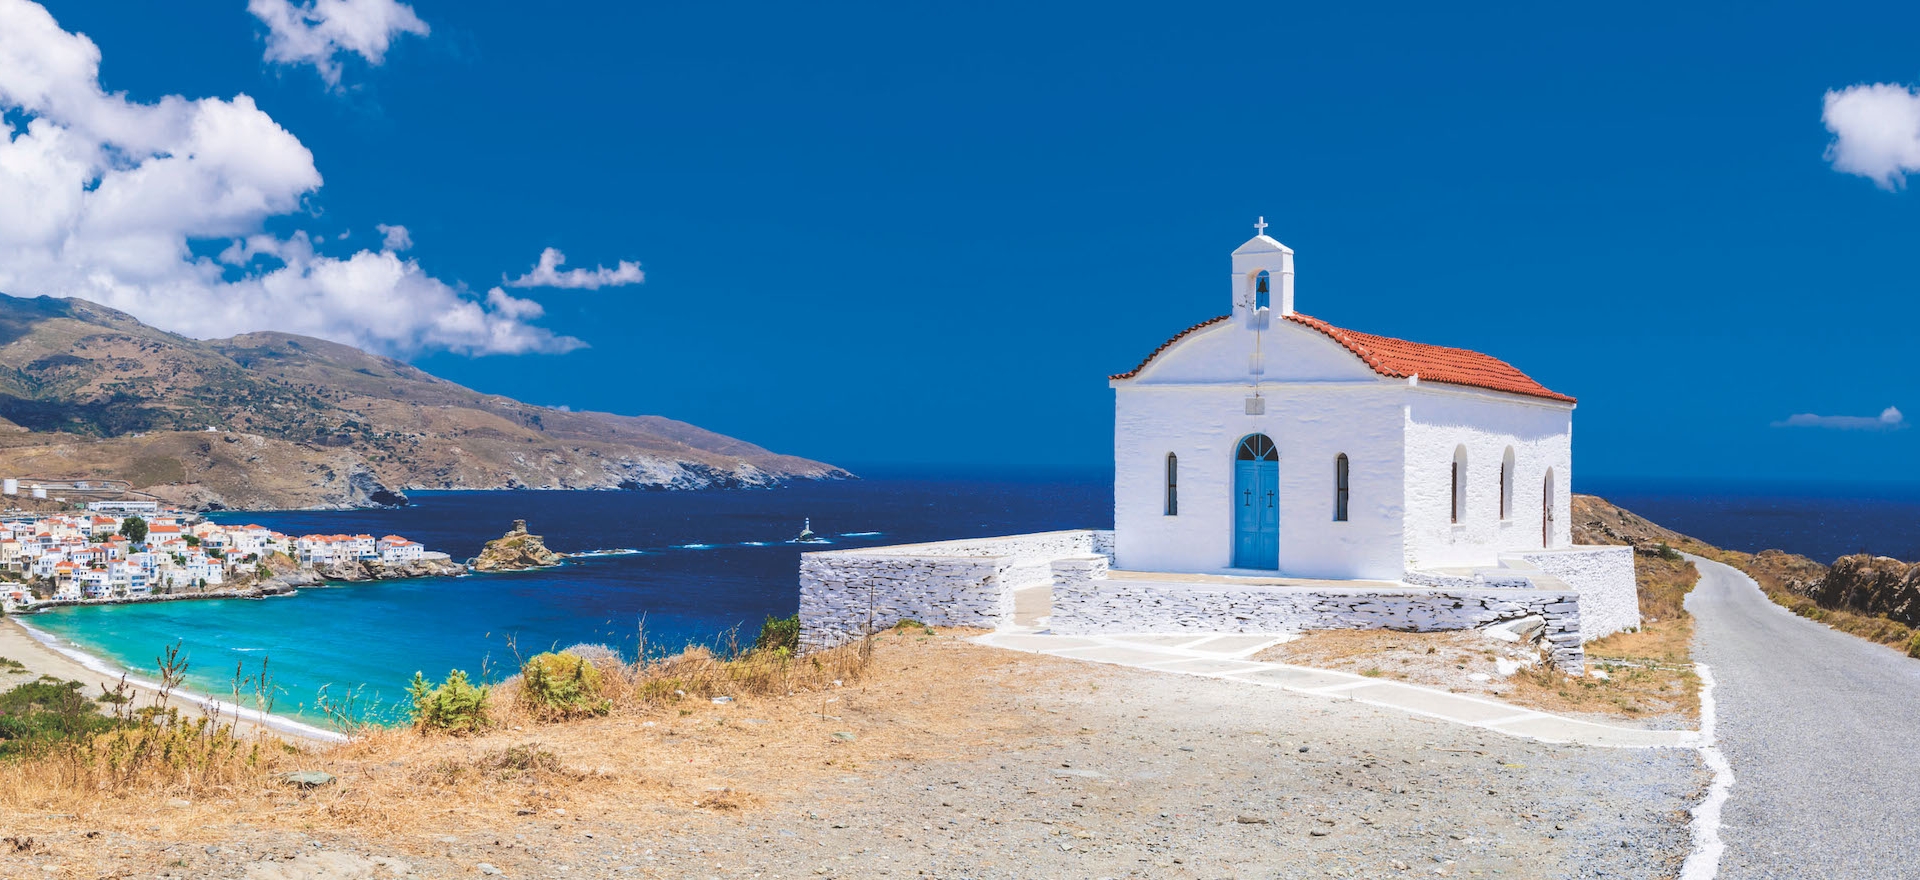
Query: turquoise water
[{"x": 711, "y": 562}]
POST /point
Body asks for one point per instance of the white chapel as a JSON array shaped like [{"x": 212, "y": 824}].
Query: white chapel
[
  {"x": 1276, "y": 474},
  {"x": 1268, "y": 441}
]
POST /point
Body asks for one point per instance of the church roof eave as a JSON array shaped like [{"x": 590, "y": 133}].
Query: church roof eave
[
  {"x": 1166, "y": 345},
  {"x": 1398, "y": 359}
]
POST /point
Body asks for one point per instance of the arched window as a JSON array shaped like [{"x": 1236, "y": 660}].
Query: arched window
[
  {"x": 1340, "y": 487},
  {"x": 1459, "y": 483},
  {"x": 1173, "y": 484},
  {"x": 1257, "y": 447},
  {"x": 1506, "y": 486},
  {"x": 1262, "y": 290}
]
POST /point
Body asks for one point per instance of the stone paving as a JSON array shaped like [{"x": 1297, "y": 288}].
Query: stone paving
[{"x": 1227, "y": 657}]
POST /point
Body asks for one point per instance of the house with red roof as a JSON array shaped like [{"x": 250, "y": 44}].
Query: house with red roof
[{"x": 1268, "y": 441}]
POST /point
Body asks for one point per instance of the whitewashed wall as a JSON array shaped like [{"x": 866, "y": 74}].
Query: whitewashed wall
[
  {"x": 1604, "y": 578},
  {"x": 1321, "y": 401},
  {"x": 1086, "y": 602},
  {"x": 845, "y": 594},
  {"x": 1441, "y": 418}
]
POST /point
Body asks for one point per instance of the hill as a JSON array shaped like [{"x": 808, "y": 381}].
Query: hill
[{"x": 274, "y": 420}]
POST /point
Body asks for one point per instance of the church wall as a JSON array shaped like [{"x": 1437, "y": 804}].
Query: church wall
[
  {"x": 1441, "y": 418},
  {"x": 1310, "y": 423}
]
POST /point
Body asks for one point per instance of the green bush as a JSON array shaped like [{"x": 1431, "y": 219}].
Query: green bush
[
  {"x": 558, "y": 686},
  {"x": 1668, "y": 553},
  {"x": 456, "y": 706},
  {"x": 1913, "y": 645},
  {"x": 779, "y": 633},
  {"x": 47, "y": 711}
]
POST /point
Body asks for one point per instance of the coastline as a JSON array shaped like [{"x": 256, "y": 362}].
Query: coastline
[{"x": 46, "y": 654}]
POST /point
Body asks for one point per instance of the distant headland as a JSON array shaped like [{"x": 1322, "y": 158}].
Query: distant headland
[{"x": 90, "y": 396}]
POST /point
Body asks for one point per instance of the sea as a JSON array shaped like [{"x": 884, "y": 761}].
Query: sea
[
  {"x": 708, "y": 567},
  {"x": 704, "y": 568}
]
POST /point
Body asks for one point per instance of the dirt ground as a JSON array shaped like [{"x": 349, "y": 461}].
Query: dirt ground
[
  {"x": 948, "y": 759},
  {"x": 1627, "y": 691}
]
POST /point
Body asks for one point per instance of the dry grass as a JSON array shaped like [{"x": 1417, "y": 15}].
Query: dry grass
[
  {"x": 666, "y": 751},
  {"x": 183, "y": 771}
]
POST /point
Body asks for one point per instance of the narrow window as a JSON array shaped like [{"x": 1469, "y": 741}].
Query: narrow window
[
  {"x": 1506, "y": 486},
  {"x": 1262, "y": 290},
  {"x": 1459, "y": 483},
  {"x": 1340, "y": 488},
  {"x": 1455, "y": 492},
  {"x": 1173, "y": 484}
]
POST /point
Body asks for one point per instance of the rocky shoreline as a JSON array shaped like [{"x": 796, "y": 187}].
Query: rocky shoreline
[
  {"x": 516, "y": 551},
  {"x": 363, "y": 570}
]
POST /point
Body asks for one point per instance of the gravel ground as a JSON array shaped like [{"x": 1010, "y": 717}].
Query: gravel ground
[
  {"x": 1073, "y": 770},
  {"x": 1820, "y": 729}
]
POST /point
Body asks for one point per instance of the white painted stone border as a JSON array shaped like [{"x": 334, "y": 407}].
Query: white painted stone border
[{"x": 1704, "y": 861}]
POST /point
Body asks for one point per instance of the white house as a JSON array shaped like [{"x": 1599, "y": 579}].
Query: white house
[
  {"x": 1274, "y": 472},
  {"x": 1265, "y": 440},
  {"x": 395, "y": 549}
]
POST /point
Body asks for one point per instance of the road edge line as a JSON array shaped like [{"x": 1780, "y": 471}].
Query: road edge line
[{"x": 1703, "y": 862}]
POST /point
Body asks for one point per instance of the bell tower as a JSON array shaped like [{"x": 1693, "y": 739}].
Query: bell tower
[{"x": 1262, "y": 277}]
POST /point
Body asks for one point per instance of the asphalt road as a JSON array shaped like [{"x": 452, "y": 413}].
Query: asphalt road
[{"x": 1822, "y": 730}]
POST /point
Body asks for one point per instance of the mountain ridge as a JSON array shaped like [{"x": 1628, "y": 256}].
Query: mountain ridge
[{"x": 275, "y": 420}]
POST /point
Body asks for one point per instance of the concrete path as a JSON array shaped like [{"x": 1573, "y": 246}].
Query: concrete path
[
  {"x": 1225, "y": 657},
  {"x": 1820, "y": 729}
]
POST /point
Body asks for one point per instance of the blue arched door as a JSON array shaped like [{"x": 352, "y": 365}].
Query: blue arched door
[{"x": 1256, "y": 504}]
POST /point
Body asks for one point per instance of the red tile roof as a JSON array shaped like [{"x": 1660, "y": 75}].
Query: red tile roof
[{"x": 1399, "y": 359}]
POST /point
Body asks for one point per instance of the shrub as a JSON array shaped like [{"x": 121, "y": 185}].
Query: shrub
[
  {"x": 455, "y": 706},
  {"x": 597, "y": 654},
  {"x": 46, "y": 711},
  {"x": 1668, "y": 553},
  {"x": 555, "y": 687},
  {"x": 779, "y": 633}
]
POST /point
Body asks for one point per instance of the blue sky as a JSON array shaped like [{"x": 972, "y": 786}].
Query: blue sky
[{"x": 886, "y": 233}]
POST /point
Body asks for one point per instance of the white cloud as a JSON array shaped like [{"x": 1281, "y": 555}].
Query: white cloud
[
  {"x": 103, "y": 198},
  {"x": 1876, "y": 132},
  {"x": 320, "y": 31},
  {"x": 393, "y": 238},
  {"x": 1889, "y": 419},
  {"x": 547, "y": 273}
]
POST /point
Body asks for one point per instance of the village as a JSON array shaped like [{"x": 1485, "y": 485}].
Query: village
[{"x": 123, "y": 551}]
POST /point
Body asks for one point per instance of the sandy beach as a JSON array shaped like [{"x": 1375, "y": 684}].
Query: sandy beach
[{"x": 45, "y": 654}]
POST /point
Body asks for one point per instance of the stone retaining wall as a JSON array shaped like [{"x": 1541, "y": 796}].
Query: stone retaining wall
[
  {"x": 845, "y": 594},
  {"x": 1604, "y": 578},
  {"x": 1499, "y": 580},
  {"x": 1086, "y": 601}
]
